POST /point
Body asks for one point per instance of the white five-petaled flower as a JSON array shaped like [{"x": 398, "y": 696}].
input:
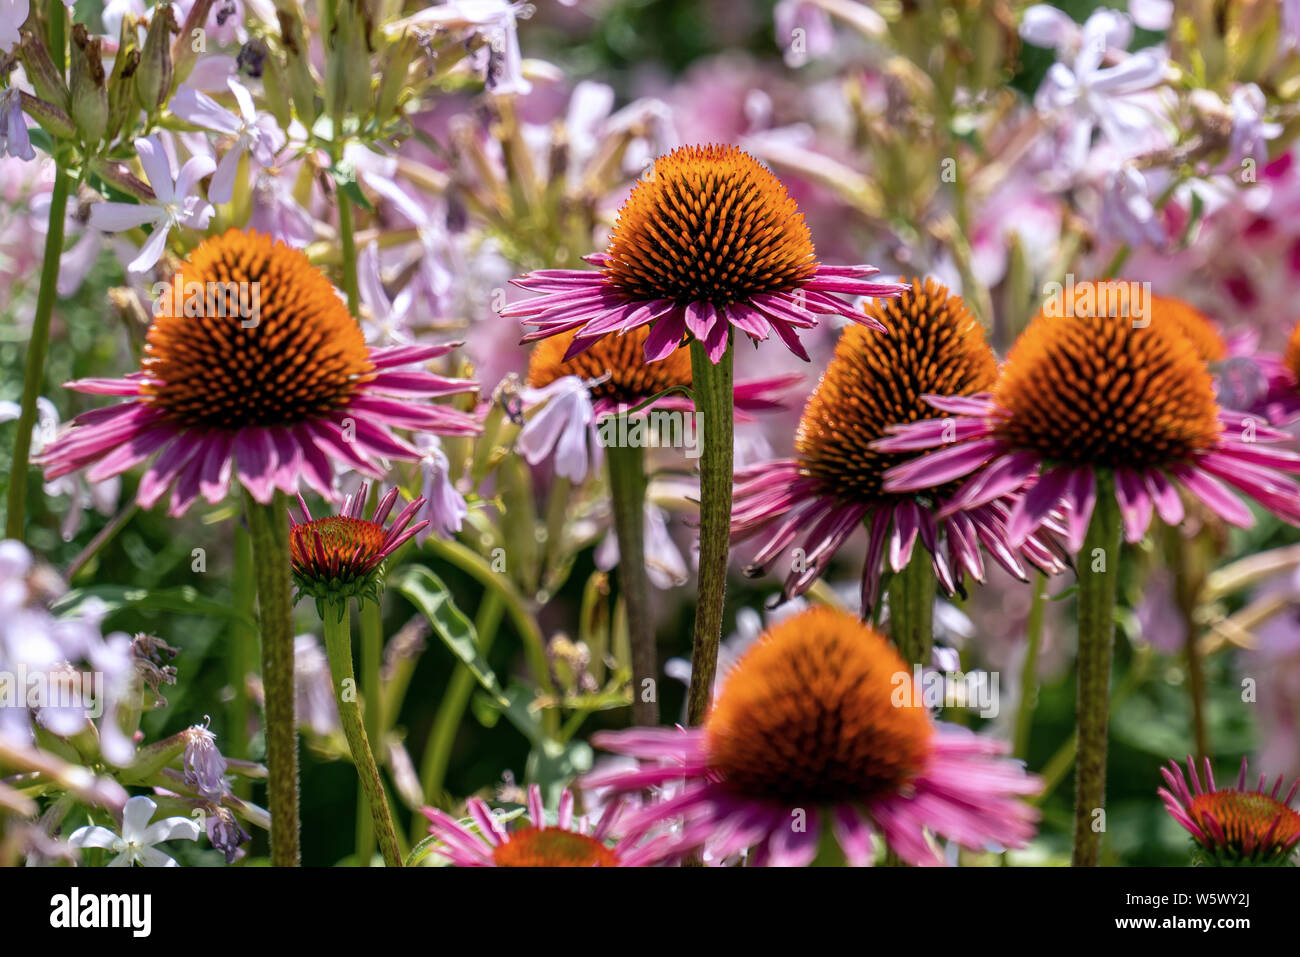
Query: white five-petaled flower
[
  {"x": 1086, "y": 96},
  {"x": 136, "y": 843},
  {"x": 176, "y": 203},
  {"x": 262, "y": 139}
]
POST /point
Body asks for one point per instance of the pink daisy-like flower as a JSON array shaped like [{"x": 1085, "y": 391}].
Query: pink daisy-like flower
[
  {"x": 931, "y": 343},
  {"x": 1236, "y": 825},
  {"x": 341, "y": 556},
  {"x": 810, "y": 731},
  {"x": 709, "y": 241},
  {"x": 254, "y": 370},
  {"x": 570, "y": 843},
  {"x": 1082, "y": 396},
  {"x": 1281, "y": 399}
]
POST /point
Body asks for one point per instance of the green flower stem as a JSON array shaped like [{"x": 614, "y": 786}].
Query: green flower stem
[
  {"x": 1189, "y": 561},
  {"x": 627, "y": 485},
  {"x": 911, "y": 608},
  {"x": 268, "y": 526},
  {"x": 336, "y": 623},
  {"x": 1029, "y": 670},
  {"x": 525, "y": 623},
  {"x": 37, "y": 348},
  {"x": 243, "y": 651},
  {"x": 1063, "y": 759},
  {"x": 1098, "y": 570},
  {"x": 372, "y": 649},
  {"x": 715, "y": 411},
  {"x": 437, "y": 753},
  {"x": 348, "y": 246}
]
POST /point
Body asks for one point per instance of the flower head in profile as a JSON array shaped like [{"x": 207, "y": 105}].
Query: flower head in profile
[
  {"x": 1235, "y": 825},
  {"x": 261, "y": 376},
  {"x": 1098, "y": 392},
  {"x": 568, "y": 843},
  {"x": 342, "y": 556},
  {"x": 136, "y": 843},
  {"x": 835, "y": 483},
  {"x": 710, "y": 240},
  {"x": 809, "y": 732},
  {"x": 1281, "y": 399}
]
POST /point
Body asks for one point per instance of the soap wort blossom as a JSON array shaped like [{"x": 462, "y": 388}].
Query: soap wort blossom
[
  {"x": 14, "y": 140},
  {"x": 138, "y": 839},
  {"x": 13, "y": 13},
  {"x": 259, "y": 137},
  {"x": 176, "y": 203},
  {"x": 1086, "y": 96}
]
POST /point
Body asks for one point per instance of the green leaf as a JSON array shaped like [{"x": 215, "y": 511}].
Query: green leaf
[
  {"x": 182, "y": 600},
  {"x": 425, "y": 590}
]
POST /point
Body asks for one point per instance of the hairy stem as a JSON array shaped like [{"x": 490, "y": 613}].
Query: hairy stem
[
  {"x": 268, "y": 527},
  {"x": 336, "y": 624},
  {"x": 372, "y": 649},
  {"x": 1029, "y": 669},
  {"x": 1098, "y": 570},
  {"x": 911, "y": 608},
  {"x": 714, "y": 411},
  {"x": 37, "y": 349},
  {"x": 627, "y": 489}
]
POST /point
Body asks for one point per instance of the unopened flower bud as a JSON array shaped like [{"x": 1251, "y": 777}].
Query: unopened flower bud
[
  {"x": 397, "y": 64},
  {"x": 302, "y": 85},
  {"x": 153, "y": 77},
  {"x": 42, "y": 73},
  {"x": 89, "y": 94}
]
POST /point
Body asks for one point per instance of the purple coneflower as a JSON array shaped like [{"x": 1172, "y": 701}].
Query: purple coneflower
[
  {"x": 709, "y": 241},
  {"x": 808, "y": 731},
  {"x": 341, "y": 556},
  {"x": 569, "y": 843},
  {"x": 1236, "y": 825},
  {"x": 930, "y": 343},
  {"x": 1108, "y": 414},
  {"x": 269, "y": 387},
  {"x": 1085, "y": 395}
]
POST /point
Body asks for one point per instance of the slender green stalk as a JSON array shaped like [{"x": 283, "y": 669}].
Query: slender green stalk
[
  {"x": 1029, "y": 670},
  {"x": 715, "y": 418},
  {"x": 524, "y": 621},
  {"x": 348, "y": 244},
  {"x": 268, "y": 527},
  {"x": 627, "y": 489},
  {"x": 1098, "y": 570},
  {"x": 911, "y": 608},
  {"x": 1188, "y": 560},
  {"x": 336, "y": 623},
  {"x": 372, "y": 649},
  {"x": 37, "y": 349},
  {"x": 437, "y": 753},
  {"x": 242, "y": 653}
]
